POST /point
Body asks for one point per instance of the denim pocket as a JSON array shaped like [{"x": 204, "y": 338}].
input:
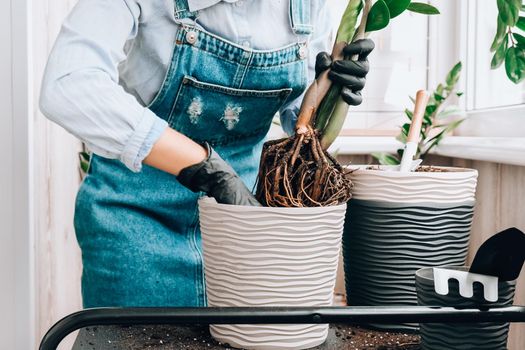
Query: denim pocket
[{"x": 220, "y": 115}]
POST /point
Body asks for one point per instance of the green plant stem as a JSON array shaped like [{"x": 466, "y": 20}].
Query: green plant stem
[
  {"x": 345, "y": 33},
  {"x": 336, "y": 119},
  {"x": 423, "y": 152},
  {"x": 511, "y": 37},
  {"x": 327, "y": 107}
]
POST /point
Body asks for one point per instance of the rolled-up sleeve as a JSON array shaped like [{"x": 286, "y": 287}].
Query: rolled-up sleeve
[
  {"x": 80, "y": 89},
  {"x": 321, "y": 40}
]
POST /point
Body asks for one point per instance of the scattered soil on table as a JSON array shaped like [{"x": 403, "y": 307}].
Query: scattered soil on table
[
  {"x": 164, "y": 337},
  {"x": 364, "y": 339}
]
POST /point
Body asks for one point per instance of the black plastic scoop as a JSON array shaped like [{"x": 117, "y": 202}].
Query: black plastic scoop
[{"x": 502, "y": 255}]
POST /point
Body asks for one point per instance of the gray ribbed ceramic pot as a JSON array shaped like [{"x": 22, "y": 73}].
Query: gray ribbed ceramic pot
[
  {"x": 479, "y": 336},
  {"x": 398, "y": 223}
]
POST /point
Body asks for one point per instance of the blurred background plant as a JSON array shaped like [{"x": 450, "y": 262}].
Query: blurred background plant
[
  {"x": 84, "y": 158},
  {"x": 440, "y": 119},
  {"x": 509, "y": 45}
]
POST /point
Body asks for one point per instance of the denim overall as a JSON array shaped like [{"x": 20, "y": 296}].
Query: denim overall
[{"x": 139, "y": 232}]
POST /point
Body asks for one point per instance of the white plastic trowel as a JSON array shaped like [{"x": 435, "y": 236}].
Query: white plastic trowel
[{"x": 408, "y": 163}]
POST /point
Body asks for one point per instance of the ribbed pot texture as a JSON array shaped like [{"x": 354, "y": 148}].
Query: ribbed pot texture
[
  {"x": 479, "y": 336},
  {"x": 260, "y": 256},
  {"x": 398, "y": 223}
]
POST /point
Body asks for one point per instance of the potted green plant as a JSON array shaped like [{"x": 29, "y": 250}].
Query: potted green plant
[
  {"x": 440, "y": 119},
  {"x": 399, "y": 222},
  {"x": 264, "y": 256},
  {"x": 285, "y": 253}
]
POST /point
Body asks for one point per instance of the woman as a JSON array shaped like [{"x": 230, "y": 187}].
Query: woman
[{"x": 172, "y": 84}]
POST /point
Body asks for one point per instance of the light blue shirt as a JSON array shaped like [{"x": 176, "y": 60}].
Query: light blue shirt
[{"x": 111, "y": 57}]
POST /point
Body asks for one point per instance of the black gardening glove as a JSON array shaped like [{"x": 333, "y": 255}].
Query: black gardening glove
[
  {"x": 217, "y": 179},
  {"x": 350, "y": 74}
]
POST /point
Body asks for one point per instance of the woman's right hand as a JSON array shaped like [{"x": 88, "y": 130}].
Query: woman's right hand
[
  {"x": 199, "y": 169},
  {"x": 217, "y": 178}
]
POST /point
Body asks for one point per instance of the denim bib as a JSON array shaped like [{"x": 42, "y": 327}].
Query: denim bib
[{"x": 139, "y": 232}]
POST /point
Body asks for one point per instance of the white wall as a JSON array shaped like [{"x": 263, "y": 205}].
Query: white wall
[
  {"x": 39, "y": 257},
  {"x": 7, "y": 258},
  {"x": 58, "y": 263},
  {"x": 16, "y": 235}
]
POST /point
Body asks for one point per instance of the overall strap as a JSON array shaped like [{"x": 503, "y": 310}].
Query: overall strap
[
  {"x": 182, "y": 10},
  {"x": 300, "y": 17}
]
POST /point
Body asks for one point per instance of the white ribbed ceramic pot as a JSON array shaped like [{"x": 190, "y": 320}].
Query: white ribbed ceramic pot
[
  {"x": 261, "y": 256},
  {"x": 398, "y": 223}
]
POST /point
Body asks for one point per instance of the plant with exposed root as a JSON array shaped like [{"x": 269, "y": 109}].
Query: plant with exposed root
[{"x": 298, "y": 171}]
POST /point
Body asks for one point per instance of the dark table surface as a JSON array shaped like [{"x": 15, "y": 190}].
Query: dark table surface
[{"x": 164, "y": 337}]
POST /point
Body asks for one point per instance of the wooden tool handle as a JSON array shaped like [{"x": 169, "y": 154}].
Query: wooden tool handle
[{"x": 417, "y": 119}]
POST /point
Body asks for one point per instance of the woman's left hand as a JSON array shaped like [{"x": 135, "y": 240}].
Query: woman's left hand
[{"x": 348, "y": 73}]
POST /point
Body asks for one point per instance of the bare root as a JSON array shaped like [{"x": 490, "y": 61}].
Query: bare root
[{"x": 297, "y": 172}]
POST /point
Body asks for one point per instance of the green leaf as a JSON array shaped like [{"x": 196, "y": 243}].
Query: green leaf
[
  {"x": 409, "y": 113},
  {"x": 84, "y": 166},
  {"x": 402, "y": 138},
  {"x": 396, "y": 7},
  {"x": 430, "y": 109},
  {"x": 405, "y": 128},
  {"x": 435, "y": 141},
  {"x": 459, "y": 94},
  {"x": 520, "y": 39},
  {"x": 438, "y": 97},
  {"x": 347, "y": 27},
  {"x": 515, "y": 64},
  {"x": 84, "y": 158},
  {"x": 439, "y": 89},
  {"x": 423, "y": 133},
  {"x": 439, "y": 137},
  {"x": 521, "y": 23},
  {"x": 423, "y": 8},
  {"x": 499, "y": 55},
  {"x": 400, "y": 153},
  {"x": 386, "y": 159},
  {"x": 509, "y": 11},
  {"x": 500, "y": 35},
  {"x": 453, "y": 75},
  {"x": 426, "y": 120},
  {"x": 449, "y": 111},
  {"x": 378, "y": 17},
  {"x": 452, "y": 126}
]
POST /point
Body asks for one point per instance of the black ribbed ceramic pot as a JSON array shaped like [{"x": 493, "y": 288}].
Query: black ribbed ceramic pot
[
  {"x": 398, "y": 223},
  {"x": 479, "y": 336},
  {"x": 384, "y": 244}
]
